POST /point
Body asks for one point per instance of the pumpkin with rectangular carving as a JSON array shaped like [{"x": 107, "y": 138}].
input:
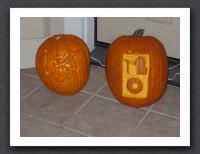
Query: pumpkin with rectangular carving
[{"x": 137, "y": 69}]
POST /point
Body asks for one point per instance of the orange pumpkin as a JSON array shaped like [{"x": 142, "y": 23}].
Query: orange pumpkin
[
  {"x": 62, "y": 63},
  {"x": 137, "y": 69}
]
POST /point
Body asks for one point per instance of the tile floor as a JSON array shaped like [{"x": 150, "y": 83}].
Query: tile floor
[{"x": 93, "y": 111}]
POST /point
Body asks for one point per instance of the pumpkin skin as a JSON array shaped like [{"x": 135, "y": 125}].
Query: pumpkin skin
[
  {"x": 62, "y": 63},
  {"x": 137, "y": 70}
]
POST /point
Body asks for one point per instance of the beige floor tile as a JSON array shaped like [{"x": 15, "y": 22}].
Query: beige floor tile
[
  {"x": 51, "y": 106},
  {"x": 106, "y": 92},
  {"x": 170, "y": 103},
  {"x": 102, "y": 118},
  {"x": 96, "y": 79},
  {"x": 27, "y": 85},
  {"x": 155, "y": 125},
  {"x": 30, "y": 127},
  {"x": 68, "y": 133}
]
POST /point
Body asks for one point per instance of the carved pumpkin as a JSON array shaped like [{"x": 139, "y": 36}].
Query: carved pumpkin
[
  {"x": 62, "y": 63},
  {"x": 137, "y": 69}
]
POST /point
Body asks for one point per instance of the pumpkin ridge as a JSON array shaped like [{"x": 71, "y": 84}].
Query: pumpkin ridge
[
  {"x": 150, "y": 69},
  {"x": 84, "y": 65}
]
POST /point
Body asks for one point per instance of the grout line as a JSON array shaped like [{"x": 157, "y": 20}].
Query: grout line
[
  {"x": 140, "y": 122},
  {"x": 163, "y": 114},
  {"x": 57, "y": 131},
  {"x": 76, "y": 131},
  {"x": 113, "y": 99},
  {"x": 143, "y": 108},
  {"x": 56, "y": 125},
  {"x": 86, "y": 92},
  {"x": 152, "y": 106},
  {"x": 42, "y": 120},
  {"x": 32, "y": 91},
  {"x": 105, "y": 97},
  {"x": 30, "y": 75},
  {"x": 148, "y": 109},
  {"x": 84, "y": 104}
]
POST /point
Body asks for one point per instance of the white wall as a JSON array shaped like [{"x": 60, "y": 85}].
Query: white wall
[
  {"x": 166, "y": 29},
  {"x": 89, "y": 33},
  {"x": 31, "y": 28},
  {"x": 28, "y": 50},
  {"x": 82, "y": 27},
  {"x": 56, "y": 25},
  {"x": 33, "y": 31}
]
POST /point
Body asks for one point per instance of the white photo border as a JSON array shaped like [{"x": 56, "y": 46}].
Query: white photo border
[{"x": 16, "y": 13}]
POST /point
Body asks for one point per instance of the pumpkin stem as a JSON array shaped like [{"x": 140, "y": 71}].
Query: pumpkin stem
[
  {"x": 58, "y": 38},
  {"x": 139, "y": 32}
]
